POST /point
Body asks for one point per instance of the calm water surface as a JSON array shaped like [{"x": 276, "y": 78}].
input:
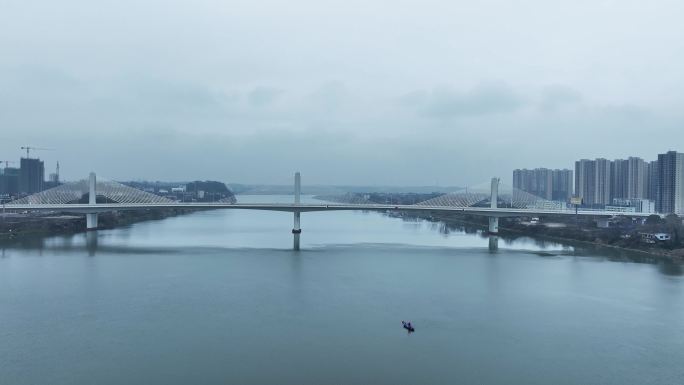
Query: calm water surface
[{"x": 217, "y": 297}]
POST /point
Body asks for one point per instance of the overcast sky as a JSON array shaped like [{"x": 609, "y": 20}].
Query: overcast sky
[{"x": 348, "y": 92}]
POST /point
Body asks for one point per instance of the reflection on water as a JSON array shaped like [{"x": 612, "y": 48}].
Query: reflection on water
[
  {"x": 320, "y": 229},
  {"x": 91, "y": 242},
  {"x": 493, "y": 244},
  {"x": 667, "y": 267}
]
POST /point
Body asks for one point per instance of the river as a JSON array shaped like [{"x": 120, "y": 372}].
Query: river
[{"x": 219, "y": 297}]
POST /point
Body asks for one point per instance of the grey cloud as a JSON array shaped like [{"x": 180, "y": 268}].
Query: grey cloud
[
  {"x": 263, "y": 96},
  {"x": 169, "y": 96},
  {"x": 484, "y": 99},
  {"x": 35, "y": 85},
  {"x": 555, "y": 97},
  {"x": 330, "y": 95},
  {"x": 246, "y": 95},
  {"x": 37, "y": 77}
]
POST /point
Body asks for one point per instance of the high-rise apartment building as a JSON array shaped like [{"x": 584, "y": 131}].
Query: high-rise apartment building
[
  {"x": 670, "y": 190},
  {"x": 584, "y": 180},
  {"x": 603, "y": 179},
  {"x": 562, "y": 185},
  {"x": 637, "y": 178},
  {"x": 618, "y": 178},
  {"x": 629, "y": 178},
  {"x": 653, "y": 180},
  {"x": 593, "y": 181},
  {"x": 544, "y": 183}
]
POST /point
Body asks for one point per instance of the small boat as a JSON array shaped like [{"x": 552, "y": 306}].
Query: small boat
[{"x": 408, "y": 326}]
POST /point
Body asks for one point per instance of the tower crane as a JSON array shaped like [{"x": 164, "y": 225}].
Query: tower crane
[{"x": 29, "y": 148}]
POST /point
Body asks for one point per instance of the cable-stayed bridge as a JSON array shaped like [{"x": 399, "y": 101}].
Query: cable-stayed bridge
[{"x": 493, "y": 201}]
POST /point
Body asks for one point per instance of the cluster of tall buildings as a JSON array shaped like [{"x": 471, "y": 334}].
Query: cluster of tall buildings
[
  {"x": 29, "y": 178},
  {"x": 602, "y": 183},
  {"x": 548, "y": 184}
]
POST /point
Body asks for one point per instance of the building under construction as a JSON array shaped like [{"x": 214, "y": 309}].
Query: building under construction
[{"x": 31, "y": 175}]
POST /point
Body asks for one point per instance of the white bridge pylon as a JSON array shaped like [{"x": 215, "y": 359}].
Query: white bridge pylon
[
  {"x": 296, "y": 229},
  {"x": 74, "y": 192},
  {"x": 94, "y": 189}
]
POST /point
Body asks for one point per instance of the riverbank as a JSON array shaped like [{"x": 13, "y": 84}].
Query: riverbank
[
  {"x": 20, "y": 226},
  {"x": 623, "y": 233},
  {"x": 511, "y": 229}
]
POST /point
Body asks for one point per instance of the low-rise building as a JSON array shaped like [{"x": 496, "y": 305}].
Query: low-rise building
[
  {"x": 655, "y": 237},
  {"x": 621, "y": 209},
  {"x": 635, "y": 205}
]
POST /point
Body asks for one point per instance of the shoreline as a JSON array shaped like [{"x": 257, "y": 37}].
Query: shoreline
[
  {"x": 61, "y": 224},
  {"x": 508, "y": 231},
  {"x": 18, "y": 228}
]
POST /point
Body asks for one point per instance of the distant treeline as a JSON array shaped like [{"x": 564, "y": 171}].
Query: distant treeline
[
  {"x": 329, "y": 190},
  {"x": 195, "y": 191},
  {"x": 208, "y": 186},
  {"x": 380, "y": 198}
]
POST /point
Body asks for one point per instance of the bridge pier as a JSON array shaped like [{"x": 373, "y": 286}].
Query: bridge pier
[
  {"x": 91, "y": 221},
  {"x": 296, "y": 229},
  {"x": 493, "y": 225},
  {"x": 494, "y": 203},
  {"x": 91, "y": 218}
]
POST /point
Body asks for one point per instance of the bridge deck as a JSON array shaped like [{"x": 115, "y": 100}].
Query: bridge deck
[{"x": 483, "y": 211}]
